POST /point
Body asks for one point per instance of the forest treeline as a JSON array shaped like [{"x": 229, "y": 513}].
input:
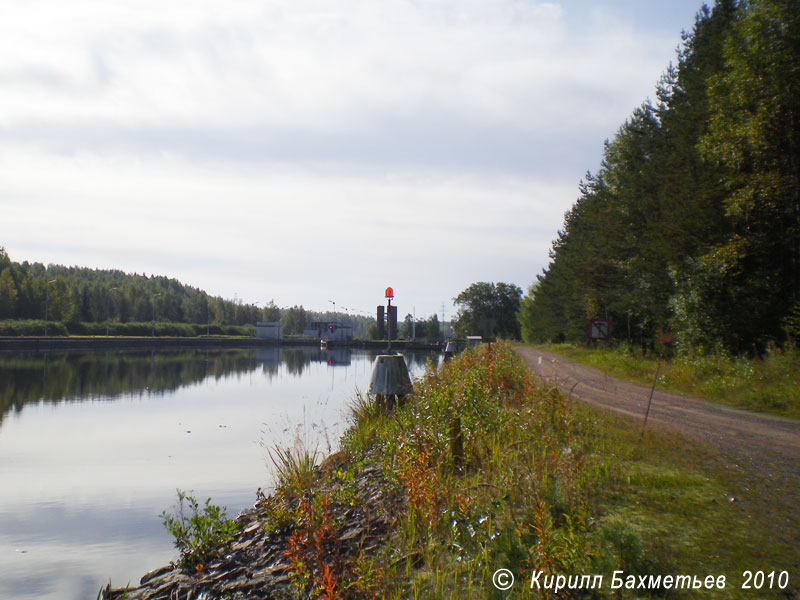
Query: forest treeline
[
  {"x": 77, "y": 294},
  {"x": 692, "y": 223},
  {"x": 81, "y": 300}
]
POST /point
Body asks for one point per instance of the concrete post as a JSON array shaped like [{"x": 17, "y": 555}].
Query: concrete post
[{"x": 390, "y": 381}]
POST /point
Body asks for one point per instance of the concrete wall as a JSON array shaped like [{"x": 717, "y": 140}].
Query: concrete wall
[{"x": 268, "y": 330}]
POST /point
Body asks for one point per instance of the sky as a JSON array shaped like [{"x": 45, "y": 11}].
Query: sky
[{"x": 314, "y": 151}]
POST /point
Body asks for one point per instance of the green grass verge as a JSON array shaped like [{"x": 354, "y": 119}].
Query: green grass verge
[
  {"x": 494, "y": 470},
  {"x": 769, "y": 385},
  {"x": 694, "y": 511}
]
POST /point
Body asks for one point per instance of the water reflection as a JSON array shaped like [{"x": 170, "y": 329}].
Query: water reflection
[
  {"x": 94, "y": 444},
  {"x": 69, "y": 376}
]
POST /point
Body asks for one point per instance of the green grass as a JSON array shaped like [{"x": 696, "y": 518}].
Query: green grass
[
  {"x": 769, "y": 385},
  {"x": 700, "y": 513},
  {"x": 294, "y": 466}
]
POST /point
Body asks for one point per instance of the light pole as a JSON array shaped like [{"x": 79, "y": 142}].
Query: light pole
[
  {"x": 108, "y": 308},
  {"x": 334, "y": 308},
  {"x": 46, "y": 303},
  {"x": 259, "y": 316},
  {"x": 154, "y": 312}
]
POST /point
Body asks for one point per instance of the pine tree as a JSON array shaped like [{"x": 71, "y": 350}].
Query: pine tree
[{"x": 8, "y": 295}]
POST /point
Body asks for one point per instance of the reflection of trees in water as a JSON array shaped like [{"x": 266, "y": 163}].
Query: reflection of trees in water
[
  {"x": 416, "y": 360},
  {"x": 298, "y": 358},
  {"x": 420, "y": 360},
  {"x": 295, "y": 360},
  {"x": 74, "y": 376},
  {"x": 57, "y": 377}
]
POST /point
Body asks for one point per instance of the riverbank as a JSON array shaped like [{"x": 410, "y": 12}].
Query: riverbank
[{"x": 485, "y": 468}]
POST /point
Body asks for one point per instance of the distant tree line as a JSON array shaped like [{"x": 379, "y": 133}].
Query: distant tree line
[
  {"x": 76, "y": 299},
  {"x": 692, "y": 223},
  {"x": 416, "y": 329},
  {"x": 76, "y": 294},
  {"x": 296, "y": 319}
]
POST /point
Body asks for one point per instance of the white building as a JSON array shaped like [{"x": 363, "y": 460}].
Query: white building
[
  {"x": 474, "y": 340},
  {"x": 270, "y": 330}
]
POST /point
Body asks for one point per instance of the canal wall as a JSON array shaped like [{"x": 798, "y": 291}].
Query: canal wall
[{"x": 54, "y": 343}]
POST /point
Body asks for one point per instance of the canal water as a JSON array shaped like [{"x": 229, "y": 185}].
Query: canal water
[{"x": 94, "y": 445}]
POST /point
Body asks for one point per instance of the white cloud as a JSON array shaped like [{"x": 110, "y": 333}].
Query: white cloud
[
  {"x": 241, "y": 147},
  {"x": 328, "y": 67},
  {"x": 275, "y": 231}
]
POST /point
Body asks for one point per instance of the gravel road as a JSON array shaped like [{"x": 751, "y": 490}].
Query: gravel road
[
  {"x": 763, "y": 450},
  {"x": 769, "y": 445}
]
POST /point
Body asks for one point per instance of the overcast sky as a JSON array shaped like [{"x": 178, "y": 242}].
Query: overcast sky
[{"x": 310, "y": 151}]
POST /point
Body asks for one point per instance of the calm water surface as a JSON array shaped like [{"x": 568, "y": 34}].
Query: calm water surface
[{"x": 94, "y": 445}]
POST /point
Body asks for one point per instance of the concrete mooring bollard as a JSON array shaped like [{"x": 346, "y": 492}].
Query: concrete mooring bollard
[{"x": 389, "y": 381}]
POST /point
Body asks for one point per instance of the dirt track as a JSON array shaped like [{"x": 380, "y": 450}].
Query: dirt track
[
  {"x": 762, "y": 452},
  {"x": 769, "y": 445}
]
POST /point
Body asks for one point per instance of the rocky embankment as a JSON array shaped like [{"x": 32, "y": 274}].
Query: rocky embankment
[{"x": 261, "y": 562}]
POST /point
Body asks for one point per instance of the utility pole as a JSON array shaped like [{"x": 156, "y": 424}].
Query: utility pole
[
  {"x": 46, "y": 303},
  {"x": 108, "y": 307},
  {"x": 154, "y": 313}
]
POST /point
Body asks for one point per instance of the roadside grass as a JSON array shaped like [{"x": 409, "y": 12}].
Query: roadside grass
[
  {"x": 487, "y": 468},
  {"x": 770, "y": 385},
  {"x": 695, "y": 511}
]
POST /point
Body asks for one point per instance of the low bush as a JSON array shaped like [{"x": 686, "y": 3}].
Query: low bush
[
  {"x": 129, "y": 329},
  {"x": 200, "y": 533}
]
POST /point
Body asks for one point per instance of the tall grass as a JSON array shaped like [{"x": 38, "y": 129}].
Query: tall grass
[
  {"x": 514, "y": 495},
  {"x": 294, "y": 467}
]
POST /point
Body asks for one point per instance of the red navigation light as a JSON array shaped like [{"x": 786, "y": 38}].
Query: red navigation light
[
  {"x": 389, "y": 292},
  {"x": 330, "y": 328}
]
